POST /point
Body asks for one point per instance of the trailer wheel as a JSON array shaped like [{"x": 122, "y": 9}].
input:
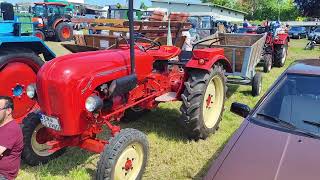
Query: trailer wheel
[
  {"x": 203, "y": 102},
  {"x": 267, "y": 63},
  {"x": 280, "y": 55},
  {"x": 35, "y": 137},
  {"x": 64, "y": 32},
  {"x": 39, "y": 34},
  {"x": 133, "y": 114},
  {"x": 256, "y": 84},
  {"x": 125, "y": 157},
  {"x": 18, "y": 69}
]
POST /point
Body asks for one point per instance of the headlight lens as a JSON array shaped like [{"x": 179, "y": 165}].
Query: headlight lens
[
  {"x": 31, "y": 91},
  {"x": 93, "y": 103}
]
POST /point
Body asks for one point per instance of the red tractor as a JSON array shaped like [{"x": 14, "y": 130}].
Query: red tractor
[
  {"x": 80, "y": 93},
  {"x": 276, "y": 47}
]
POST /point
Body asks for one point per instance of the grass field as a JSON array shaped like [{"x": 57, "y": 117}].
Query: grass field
[{"x": 171, "y": 155}]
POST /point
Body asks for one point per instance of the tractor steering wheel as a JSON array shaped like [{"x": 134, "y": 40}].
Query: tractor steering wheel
[{"x": 154, "y": 44}]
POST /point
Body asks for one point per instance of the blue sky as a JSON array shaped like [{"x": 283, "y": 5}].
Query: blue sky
[{"x": 96, "y": 2}]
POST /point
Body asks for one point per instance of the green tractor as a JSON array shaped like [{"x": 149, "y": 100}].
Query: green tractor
[{"x": 52, "y": 21}]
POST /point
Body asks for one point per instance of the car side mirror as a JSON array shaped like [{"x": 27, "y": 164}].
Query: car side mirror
[{"x": 240, "y": 109}]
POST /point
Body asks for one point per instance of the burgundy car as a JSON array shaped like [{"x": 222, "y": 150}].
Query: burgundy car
[{"x": 280, "y": 138}]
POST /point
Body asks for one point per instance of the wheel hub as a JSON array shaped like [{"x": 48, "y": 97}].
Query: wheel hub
[
  {"x": 128, "y": 166},
  {"x": 17, "y": 90},
  {"x": 209, "y": 101},
  {"x": 65, "y": 32}
]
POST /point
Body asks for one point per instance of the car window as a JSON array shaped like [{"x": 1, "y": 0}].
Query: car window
[
  {"x": 317, "y": 30},
  {"x": 296, "y": 28},
  {"x": 295, "y": 100}
]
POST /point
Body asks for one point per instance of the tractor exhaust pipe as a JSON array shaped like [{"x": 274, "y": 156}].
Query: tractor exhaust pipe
[{"x": 131, "y": 34}]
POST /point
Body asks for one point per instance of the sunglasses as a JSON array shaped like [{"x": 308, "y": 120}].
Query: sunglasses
[{"x": 3, "y": 108}]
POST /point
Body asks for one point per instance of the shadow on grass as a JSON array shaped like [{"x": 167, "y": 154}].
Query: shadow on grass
[
  {"x": 232, "y": 88},
  {"x": 72, "y": 159},
  {"x": 204, "y": 170},
  {"x": 161, "y": 121}
]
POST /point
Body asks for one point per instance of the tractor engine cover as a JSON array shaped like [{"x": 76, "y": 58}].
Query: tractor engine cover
[{"x": 64, "y": 84}]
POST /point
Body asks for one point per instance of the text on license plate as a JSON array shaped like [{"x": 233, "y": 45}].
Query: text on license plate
[{"x": 50, "y": 122}]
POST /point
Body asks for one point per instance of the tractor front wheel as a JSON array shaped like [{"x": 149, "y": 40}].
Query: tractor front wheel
[
  {"x": 64, "y": 32},
  {"x": 125, "y": 157},
  {"x": 40, "y": 35},
  {"x": 35, "y": 136},
  {"x": 203, "y": 102},
  {"x": 280, "y": 54}
]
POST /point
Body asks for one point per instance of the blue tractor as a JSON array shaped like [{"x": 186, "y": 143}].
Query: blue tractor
[{"x": 19, "y": 61}]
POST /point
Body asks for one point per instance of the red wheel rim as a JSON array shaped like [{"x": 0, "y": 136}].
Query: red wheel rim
[
  {"x": 66, "y": 32},
  {"x": 17, "y": 76},
  {"x": 39, "y": 35}
]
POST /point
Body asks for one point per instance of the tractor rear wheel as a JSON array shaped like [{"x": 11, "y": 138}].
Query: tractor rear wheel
[
  {"x": 64, "y": 32},
  {"x": 40, "y": 35},
  {"x": 35, "y": 136},
  {"x": 203, "y": 102},
  {"x": 125, "y": 157},
  {"x": 280, "y": 54},
  {"x": 18, "y": 69}
]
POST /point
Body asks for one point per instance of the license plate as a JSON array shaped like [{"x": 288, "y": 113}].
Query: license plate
[{"x": 50, "y": 122}]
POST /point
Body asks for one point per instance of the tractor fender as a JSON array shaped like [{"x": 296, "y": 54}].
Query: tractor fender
[
  {"x": 29, "y": 42},
  {"x": 281, "y": 39},
  {"x": 194, "y": 63},
  {"x": 55, "y": 24}
]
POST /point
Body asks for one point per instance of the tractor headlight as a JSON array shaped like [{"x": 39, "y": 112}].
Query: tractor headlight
[
  {"x": 93, "y": 103},
  {"x": 31, "y": 91}
]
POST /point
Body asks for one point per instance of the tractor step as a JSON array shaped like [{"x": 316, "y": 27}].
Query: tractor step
[{"x": 169, "y": 96}]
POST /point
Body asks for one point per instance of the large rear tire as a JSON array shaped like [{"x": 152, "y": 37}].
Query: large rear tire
[
  {"x": 18, "y": 69},
  {"x": 34, "y": 138},
  {"x": 125, "y": 157},
  {"x": 64, "y": 32},
  {"x": 280, "y": 54},
  {"x": 203, "y": 102}
]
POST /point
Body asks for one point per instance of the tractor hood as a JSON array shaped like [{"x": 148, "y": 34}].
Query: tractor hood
[
  {"x": 75, "y": 67},
  {"x": 264, "y": 154},
  {"x": 64, "y": 83}
]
